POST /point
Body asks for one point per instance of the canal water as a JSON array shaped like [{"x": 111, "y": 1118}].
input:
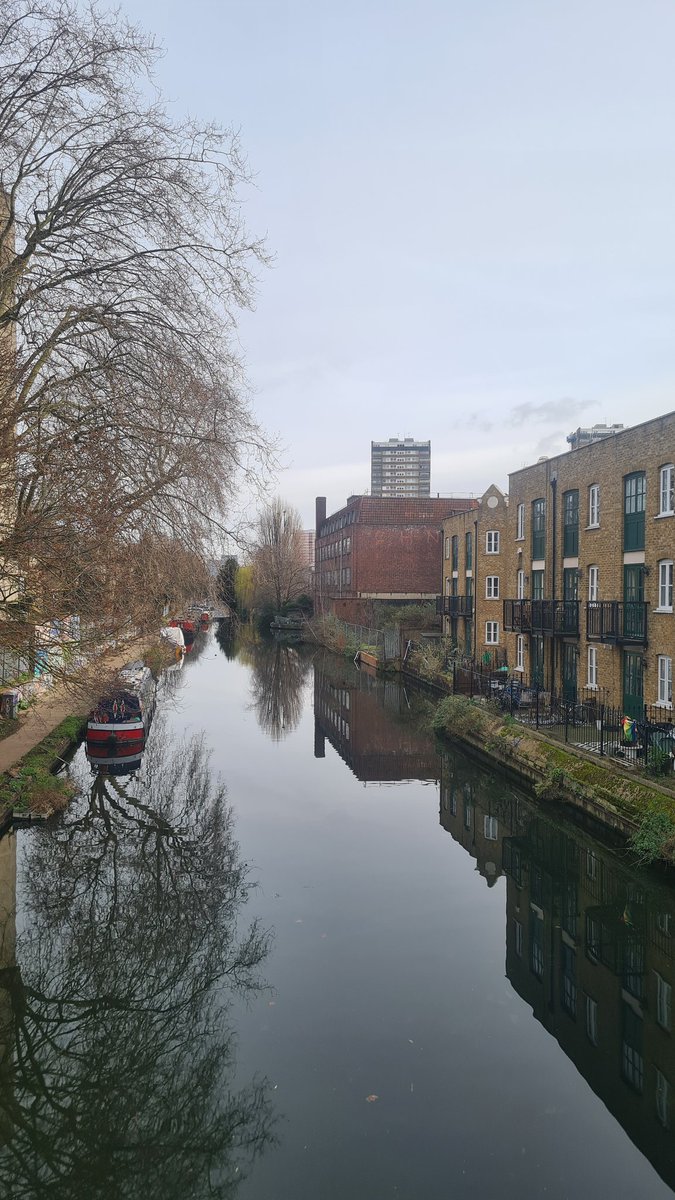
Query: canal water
[{"x": 300, "y": 954}]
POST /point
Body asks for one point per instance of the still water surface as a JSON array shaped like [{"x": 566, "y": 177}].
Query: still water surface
[{"x": 434, "y": 989}]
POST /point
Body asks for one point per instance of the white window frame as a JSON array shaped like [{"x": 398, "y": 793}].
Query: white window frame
[
  {"x": 492, "y": 541},
  {"x": 593, "y": 584},
  {"x": 665, "y": 585},
  {"x": 492, "y": 587},
  {"x": 447, "y": 585},
  {"x": 667, "y": 490},
  {"x": 664, "y": 1002},
  {"x": 520, "y": 584},
  {"x": 492, "y": 633},
  {"x": 447, "y": 547},
  {"x": 592, "y": 668},
  {"x": 594, "y": 506},
  {"x": 520, "y": 523},
  {"x": 664, "y": 676},
  {"x": 520, "y": 652},
  {"x": 490, "y": 829}
]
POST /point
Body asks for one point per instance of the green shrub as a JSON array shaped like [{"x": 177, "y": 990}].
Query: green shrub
[{"x": 654, "y": 832}]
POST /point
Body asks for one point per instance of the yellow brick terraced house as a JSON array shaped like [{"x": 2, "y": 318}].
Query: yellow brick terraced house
[
  {"x": 586, "y": 569},
  {"x": 474, "y": 578}
]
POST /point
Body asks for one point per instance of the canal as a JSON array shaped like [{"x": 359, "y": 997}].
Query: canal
[{"x": 301, "y": 954}]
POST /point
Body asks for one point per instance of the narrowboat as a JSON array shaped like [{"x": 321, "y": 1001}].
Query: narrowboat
[{"x": 117, "y": 727}]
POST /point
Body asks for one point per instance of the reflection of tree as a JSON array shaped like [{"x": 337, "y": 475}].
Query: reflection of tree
[
  {"x": 277, "y": 683},
  {"x": 123, "y": 1055},
  {"x": 225, "y": 637}
]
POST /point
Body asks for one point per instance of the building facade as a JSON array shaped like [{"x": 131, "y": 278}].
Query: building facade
[
  {"x": 589, "y": 569},
  {"x": 474, "y": 577},
  {"x": 378, "y": 549},
  {"x": 400, "y": 467}
]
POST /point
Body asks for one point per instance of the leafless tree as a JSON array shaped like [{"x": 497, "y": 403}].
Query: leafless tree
[
  {"x": 124, "y": 417},
  {"x": 279, "y": 567}
]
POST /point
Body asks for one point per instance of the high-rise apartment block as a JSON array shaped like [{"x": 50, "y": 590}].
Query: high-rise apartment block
[{"x": 400, "y": 467}]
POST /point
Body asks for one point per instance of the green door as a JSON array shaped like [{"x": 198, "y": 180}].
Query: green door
[
  {"x": 633, "y": 692},
  {"x": 633, "y": 602},
  {"x": 569, "y": 667},
  {"x": 537, "y": 660}
]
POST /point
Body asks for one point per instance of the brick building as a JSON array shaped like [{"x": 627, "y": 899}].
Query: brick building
[
  {"x": 588, "y": 564},
  {"x": 379, "y": 549},
  {"x": 474, "y": 577}
]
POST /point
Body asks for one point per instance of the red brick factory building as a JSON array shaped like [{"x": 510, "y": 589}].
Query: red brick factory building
[{"x": 387, "y": 549}]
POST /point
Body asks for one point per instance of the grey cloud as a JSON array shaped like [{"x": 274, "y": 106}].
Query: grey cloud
[{"x": 549, "y": 410}]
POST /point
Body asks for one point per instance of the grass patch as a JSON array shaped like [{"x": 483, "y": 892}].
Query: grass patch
[{"x": 31, "y": 787}]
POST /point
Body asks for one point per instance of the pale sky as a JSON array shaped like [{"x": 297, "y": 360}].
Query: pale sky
[{"x": 471, "y": 204}]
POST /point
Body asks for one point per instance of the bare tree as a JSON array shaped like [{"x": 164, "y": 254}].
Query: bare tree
[
  {"x": 124, "y": 418},
  {"x": 279, "y": 566}
]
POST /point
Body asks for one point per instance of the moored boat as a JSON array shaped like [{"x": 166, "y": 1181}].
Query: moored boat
[{"x": 118, "y": 725}]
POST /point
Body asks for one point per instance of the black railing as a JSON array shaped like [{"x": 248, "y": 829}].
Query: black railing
[
  {"x": 617, "y": 621},
  {"x": 454, "y": 606},
  {"x": 555, "y": 618}
]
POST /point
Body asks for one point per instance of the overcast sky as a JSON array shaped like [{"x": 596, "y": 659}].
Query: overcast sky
[{"x": 471, "y": 204}]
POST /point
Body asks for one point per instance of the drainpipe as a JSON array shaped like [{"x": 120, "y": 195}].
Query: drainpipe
[
  {"x": 554, "y": 565},
  {"x": 475, "y": 588}
]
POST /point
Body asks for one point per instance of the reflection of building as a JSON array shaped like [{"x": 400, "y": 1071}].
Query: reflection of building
[
  {"x": 358, "y": 714},
  {"x": 590, "y": 946},
  {"x": 400, "y": 467},
  {"x": 7, "y": 971}
]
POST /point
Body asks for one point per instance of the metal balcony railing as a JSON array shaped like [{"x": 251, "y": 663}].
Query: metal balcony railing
[
  {"x": 555, "y": 618},
  {"x": 454, "y": 606},
  {"x": 617, "y": 621}
]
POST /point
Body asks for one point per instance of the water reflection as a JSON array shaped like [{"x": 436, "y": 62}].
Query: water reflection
[
  {"x": 368, "y": 721},
  {"x": 590, "y": 947},
  {"x": 279, "y": 672},
  {"x": 116, "y": 1075}
]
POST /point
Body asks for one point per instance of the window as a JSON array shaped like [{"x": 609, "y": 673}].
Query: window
[
  {"x": 536, "y": 945},
  {"x": 591, "y": 864},
  {"x": 665, "y": 680},
  {"x": 468, "y": 814},
  {"x": 492, "y": 587},
  {"x": 667, "y": 491},
  {"x": 539, "y": 528},
  {"x": 492, "y": 633},
  {"x": 491, "y": 828},
  {"x": 592, "y": 667},
  {"x": 592, "y": 1020},
  {"x": 537, "y": 585},
  {"x": 492, "y": 541},
  {"x": 519, "y": 938},
  {"x": 571, "y": 523},
  {"x": 520, "y": 522},
  {"x": 593, "y": 590},
  {"x": 632, "y": 1062},
  {"x": 447, "y": 585},
  {"x": 520, "y": 585},
  {"x": 666, "y": 585},
  {"x": 594, "y": 505},
  {"x": 520, "y": 653},
  {"x": 664, "y": 994},
  {"x": 469, "y": 551},
  {"x": 634, "y": 499},
  {"x": 662, "y": 1090},
  {"x": 455, "y": 552}
]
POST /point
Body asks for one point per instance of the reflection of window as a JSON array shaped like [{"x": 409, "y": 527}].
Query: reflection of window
[
  {"x": 519, "y": 938},
  {"x": 593, "y": 938},
  {"x": 490, "y": 828},
  {"x": 663, "y": 920},
  {"x": 536, "y": 945},
  {"x": 633, "y": 966},
  {"x": 468, "y": 814},
  {"x": 592, "y": 1020},
  {"x": 632, "y": 1062},
  {"x": 664, "y": 994},
  {"x": 591, "y": 864},
  {"x": 662, "y": 1098},
  {"x": 569, "y": 980}
]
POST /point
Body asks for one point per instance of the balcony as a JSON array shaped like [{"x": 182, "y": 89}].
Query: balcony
[
  {"x": 454, "y": 606},
  {"x": 555, "y": 618},
  {"x": 617, "y": 621}
]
